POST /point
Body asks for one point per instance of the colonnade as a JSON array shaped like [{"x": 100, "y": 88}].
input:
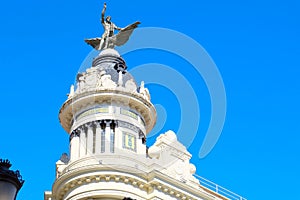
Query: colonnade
[{"x": 93, "y": 138}]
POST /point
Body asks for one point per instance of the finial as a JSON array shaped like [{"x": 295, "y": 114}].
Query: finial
[{"x": 5, "y": 163}]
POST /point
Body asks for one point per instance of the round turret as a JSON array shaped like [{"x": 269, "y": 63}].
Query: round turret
[
  {"x": 108, "y": 117},
  {"x": 107, "y": 87},
  {"x": 107, "y": 111}
]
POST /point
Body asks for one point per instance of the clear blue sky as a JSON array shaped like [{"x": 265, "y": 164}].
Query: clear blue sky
[{"x": 255, "y": 45}]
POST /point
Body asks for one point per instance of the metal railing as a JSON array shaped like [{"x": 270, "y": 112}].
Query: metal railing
[{"x": 218, "y": 189}]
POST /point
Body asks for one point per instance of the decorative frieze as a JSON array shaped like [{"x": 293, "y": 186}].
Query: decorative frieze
[
  {"x": 128, "y": 126},
  {"x": 136, "y": 182},
  {"x": 92, "y": 111}
]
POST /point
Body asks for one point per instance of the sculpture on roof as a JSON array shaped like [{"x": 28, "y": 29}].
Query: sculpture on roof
[
  {"x": 144, "y": 91},
  {"x": 109, "y": 39}
]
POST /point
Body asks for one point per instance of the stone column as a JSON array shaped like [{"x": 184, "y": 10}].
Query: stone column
[
  {"x": 98, "y": 138},
  {"x": 82, "y": 139},
  {"x": 118, "y": 139},
  {"x": 74, "y": 145},
  {"x": 107, "y": 135},
  {"x": 112, "y": 137},
  {"x": 120, "y": 80},
  {"x": 90, "y": 138}
]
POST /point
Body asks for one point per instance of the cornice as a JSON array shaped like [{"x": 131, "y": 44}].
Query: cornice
[
  {"x": 86, "y": 99},
  {"x": 147, "y": 182}
]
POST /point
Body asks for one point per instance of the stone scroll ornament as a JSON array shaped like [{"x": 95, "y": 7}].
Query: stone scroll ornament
[{"x": 109, "y": 39}]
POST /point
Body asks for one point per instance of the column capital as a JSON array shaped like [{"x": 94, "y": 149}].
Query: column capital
[
  {"x": 98, "y": 124},
  {"x": 90, "y": 124},
  {"x": 107, "y": 122},
  {"x": 73, "y": 134},
  {"x": 80, "y": 129}
]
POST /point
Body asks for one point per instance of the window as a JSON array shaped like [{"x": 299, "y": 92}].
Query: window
[{"x": 129, "y": 141}]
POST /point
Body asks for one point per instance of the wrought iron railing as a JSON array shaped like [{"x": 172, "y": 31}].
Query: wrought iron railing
[{"x": 218, "y": 189}]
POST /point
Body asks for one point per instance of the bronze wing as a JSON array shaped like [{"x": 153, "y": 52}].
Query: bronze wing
[
  {"x": 94, "y": 42},
  {"x": 123, "y": 35}
]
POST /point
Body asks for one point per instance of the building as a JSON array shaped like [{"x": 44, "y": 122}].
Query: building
[{"x": 108, "y": 117}]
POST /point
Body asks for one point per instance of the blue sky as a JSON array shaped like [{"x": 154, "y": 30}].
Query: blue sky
[{"x": 255, "y": 45}]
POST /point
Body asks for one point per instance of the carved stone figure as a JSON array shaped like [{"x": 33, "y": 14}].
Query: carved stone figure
[
  {"x": 99, "y": 83},
  {"x": 144, "y": 91},
  {"x": 106, "y": 81},
  {"x": 90, "y": 81},
  {"x": 176, "y": 160},
  {"x": 130, "y": 86},
  {"x": 80, "y": 82},
  {"x": 109, "y": 39},
  {"x": 71, "y": 94}
]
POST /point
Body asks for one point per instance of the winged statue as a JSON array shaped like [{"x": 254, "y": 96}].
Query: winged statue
[{"x": 109, "y": 39}]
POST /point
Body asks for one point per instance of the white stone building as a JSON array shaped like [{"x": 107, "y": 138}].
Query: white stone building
[{"x": 108, "y": 117}]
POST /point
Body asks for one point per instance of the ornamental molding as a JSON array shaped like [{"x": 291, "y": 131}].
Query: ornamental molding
[
  {"x": 124, "y": 124},
  {"x": 97, "y": 79},
  {"x": 145, "y": 108},
  {"x": 137, "y": 182},
  {"x": 118, "y": 177},
  {"x": 99, "y": 124}
]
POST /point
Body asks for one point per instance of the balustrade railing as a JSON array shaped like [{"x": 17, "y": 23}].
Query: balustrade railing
[{"x": 218, "y": 189}]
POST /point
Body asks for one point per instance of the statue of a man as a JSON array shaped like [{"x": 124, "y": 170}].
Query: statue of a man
[
  {"x": 109, "y": 39},
  {"x": 109, "y": 28}
]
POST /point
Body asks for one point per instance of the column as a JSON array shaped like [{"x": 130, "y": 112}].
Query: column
[
  {"x": 107, "y": 135},
  {"x": 82, "y": 139},
  {"x": 112, "y": 137},
  {"x": 90, "y": 138},
  {"x": 118, "y": 139},
  {"x": 74, "y": 145},
  {"x": 103, "y": 140},
  {"x": 120, "y": 80},
  {"x": 98, "y": 138}
]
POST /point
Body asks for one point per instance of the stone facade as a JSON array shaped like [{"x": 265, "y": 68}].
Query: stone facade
[{"x": 108, "y": 117}]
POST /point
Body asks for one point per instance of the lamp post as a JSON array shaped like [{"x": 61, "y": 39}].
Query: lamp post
[{"x": 10, "y": 181}]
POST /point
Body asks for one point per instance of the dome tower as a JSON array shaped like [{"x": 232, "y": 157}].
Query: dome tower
[
  {"x": 107, "y": 117},
  {"x": 108, "y": 108}
]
